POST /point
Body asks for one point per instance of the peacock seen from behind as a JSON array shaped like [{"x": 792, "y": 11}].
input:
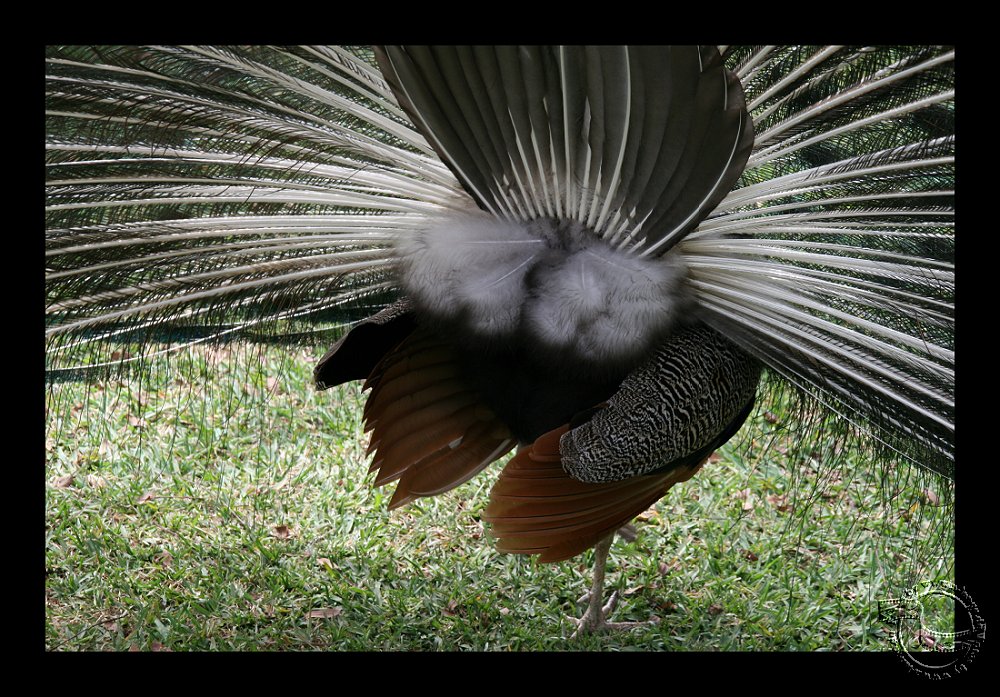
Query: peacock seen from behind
[{"x": 590, "y": 255}]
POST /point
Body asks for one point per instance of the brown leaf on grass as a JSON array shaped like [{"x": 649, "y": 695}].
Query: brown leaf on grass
[
  {"x": 282, "y": 532},
  {"x": 325, "y": 563},
  {"x": 120, "y": 355},
  {"x": 136, "y": 422},
  {"x": 96, "y": 482},
  {"x": 931, "y": 497},
  {"x": 926, "y": 638},
  {"x": 715, "y": 457},
  {"x": 451, "y": 609},
  {"x": 326, "y": 613},
  {"x": 165, "y": 558},
  {"x": 750, "y": 555},
  {"x": 780, "y": 502},
  {"x": 148, "y": 496},
  {"x": 668, "y": 606},
  {"x": 715, "y": 609},
  {"x": 64, "y": 482},
  {"x": 157, "y": 646},
  {"x": 770, "y": 417},
  {"x": 274, "y": 385},
  {"x": 747, "y": 497}
]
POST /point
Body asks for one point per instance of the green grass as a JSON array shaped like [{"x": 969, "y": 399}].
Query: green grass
[{"x": 220, "y": 503}]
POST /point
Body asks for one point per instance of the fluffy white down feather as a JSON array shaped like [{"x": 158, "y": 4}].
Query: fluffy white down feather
[{"x": 552, "y": 282}]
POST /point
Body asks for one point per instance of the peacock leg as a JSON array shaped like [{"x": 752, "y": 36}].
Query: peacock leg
[
  {"x": 594, "y": 619},
  {"x": 629, "y": 534}
]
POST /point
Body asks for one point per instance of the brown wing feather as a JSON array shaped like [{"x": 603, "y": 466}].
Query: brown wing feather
[
  {"x": 429, "y": 429},
  {"x": 447, "y": 468},
  {"x": 536, "y": 508}
]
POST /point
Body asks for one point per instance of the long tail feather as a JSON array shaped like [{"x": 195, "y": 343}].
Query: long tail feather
[
  {"x": 217, "y": 191},
  {"x": 199, "y": 192},
  {"x": 832, "y": 261}
]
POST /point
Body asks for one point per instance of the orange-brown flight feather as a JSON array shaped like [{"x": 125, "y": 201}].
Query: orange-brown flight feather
[
  {"x": 536, "y": 508},
  {"x": 429, "y": 429}
]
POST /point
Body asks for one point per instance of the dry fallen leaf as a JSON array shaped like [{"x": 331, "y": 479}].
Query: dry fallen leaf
[
  {"x": 325, "y": 563},
  {"x": 932, "y": 498},
  {"x": 148, "y": 496},
  {"x": 281, "y": 532},
  {"x": 747, "y": 497},
  {"x": 64, "y": 482},
  {"x": 714, "y": 609},
  {"x": 750, "y": 555},
  {"x": 327, "y": 613},
  {"x": 780, "y": 502}
]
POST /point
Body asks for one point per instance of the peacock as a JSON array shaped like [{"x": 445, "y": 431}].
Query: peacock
[{"x": 602, "y": 258}]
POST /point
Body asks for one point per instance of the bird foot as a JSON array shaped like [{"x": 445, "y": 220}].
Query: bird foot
[{"x": 595, "y": 619}]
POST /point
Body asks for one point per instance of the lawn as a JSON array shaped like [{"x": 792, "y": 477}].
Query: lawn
[{"x": 216, "y": 501}]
